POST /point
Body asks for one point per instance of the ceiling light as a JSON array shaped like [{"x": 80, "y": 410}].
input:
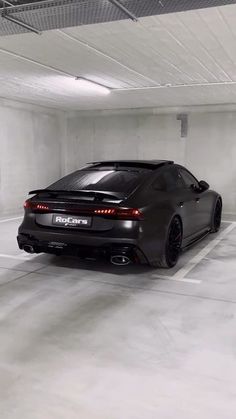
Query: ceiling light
[{"x": 92, "y": 86}]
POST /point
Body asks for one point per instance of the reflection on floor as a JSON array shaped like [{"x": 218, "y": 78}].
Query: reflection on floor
[{"x": 86, "y": 340}]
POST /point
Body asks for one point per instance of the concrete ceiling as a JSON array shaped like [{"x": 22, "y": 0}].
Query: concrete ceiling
[{"x": 179, "y": 59}]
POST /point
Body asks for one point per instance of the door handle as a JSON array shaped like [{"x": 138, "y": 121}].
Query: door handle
[
  {"x": 197, "y": 200},
  {"x": 181, "y": 204}
]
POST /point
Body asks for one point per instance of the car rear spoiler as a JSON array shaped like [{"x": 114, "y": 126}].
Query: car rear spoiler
[{"x": 96, "y": 194}]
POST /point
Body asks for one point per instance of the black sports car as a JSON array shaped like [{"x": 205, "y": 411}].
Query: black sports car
[{"x": 127, "y": 211}]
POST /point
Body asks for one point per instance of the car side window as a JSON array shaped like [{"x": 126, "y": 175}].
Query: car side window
[
  {"x": 168, "y": 180},
  {"x": 188, "y": 179}
]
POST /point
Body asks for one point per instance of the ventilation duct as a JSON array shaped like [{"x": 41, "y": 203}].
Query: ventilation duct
[{"x": 54, "y": 14}]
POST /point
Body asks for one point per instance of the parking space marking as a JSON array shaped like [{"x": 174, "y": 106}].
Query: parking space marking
[
  {"x": 17, "y": 257},
  {"x": 228, "y": 222},
  {"x": 179, "y": 276},
  {"x": 6, "y": 220},
  {"x": 181, "y": 273},
  {"x": 172, "y": 278}
]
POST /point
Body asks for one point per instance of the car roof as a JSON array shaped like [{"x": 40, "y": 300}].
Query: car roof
[{"x": 149, "y": 164}]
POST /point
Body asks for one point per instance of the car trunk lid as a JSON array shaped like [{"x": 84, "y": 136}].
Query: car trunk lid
[{"x": 83, "y": 210}]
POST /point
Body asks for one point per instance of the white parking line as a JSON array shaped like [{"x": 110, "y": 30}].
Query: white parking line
[
  {"x": 181, "y": 273},
  {"x": 179, "y": 276},
  {"x": 17, "y": 257},
  {"x": 6, "y": 220},
  {"x": 172, "y": 278},
  {"x": 18, "y": 218},
  {"x": 228, "y": 222}
]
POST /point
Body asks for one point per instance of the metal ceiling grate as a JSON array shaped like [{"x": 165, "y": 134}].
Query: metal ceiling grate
[{"x": 53, "y": 14}]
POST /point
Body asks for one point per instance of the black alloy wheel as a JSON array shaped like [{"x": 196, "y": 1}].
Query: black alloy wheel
[
  {"x": 174, "y": 242},
  {"x": 217, "y": 217}
]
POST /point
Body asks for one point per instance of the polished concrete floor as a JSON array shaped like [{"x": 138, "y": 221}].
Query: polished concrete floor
[{"x": 90, "y": 341}]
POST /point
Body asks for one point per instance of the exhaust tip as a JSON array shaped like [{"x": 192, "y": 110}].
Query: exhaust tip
[
  {"x": 28, "y": 248},
  {"x": 120, "y": 260}
]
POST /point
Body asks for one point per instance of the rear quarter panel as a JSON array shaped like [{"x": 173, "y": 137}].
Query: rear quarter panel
[{"x": 158, "y": 209}]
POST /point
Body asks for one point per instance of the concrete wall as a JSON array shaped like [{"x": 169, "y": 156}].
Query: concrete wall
[
  {"x": 209, "y": 151},
  {"x": 124, "y": 137},
  {"x": 30, "y": 153},
  {"x": 38, "y": 146}
]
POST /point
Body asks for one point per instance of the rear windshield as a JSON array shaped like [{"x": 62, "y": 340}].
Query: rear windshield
[{"x": 100, "y": 180}]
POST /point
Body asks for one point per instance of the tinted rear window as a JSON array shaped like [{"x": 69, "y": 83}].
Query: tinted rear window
[
  {"x": 169, "y": 179},
  {"x": 100, "y": 180}
]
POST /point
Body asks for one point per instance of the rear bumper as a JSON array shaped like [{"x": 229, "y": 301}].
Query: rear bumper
[
  {"x": 80, "y": 245},
  {"x": 142, "y": 238}
]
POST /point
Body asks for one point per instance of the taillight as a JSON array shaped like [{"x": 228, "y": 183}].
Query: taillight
[
  {"x": 27, "y": 204},
  {"x": 42, "y": 207},
  {"x": 105, "y": 211},
  {"x": 116, "y": 213},
  {"x": 120, "y": 213},
  {"x": 35, "y": 207}
]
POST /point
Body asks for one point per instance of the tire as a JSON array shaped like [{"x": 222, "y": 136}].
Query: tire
[
  {"x": 216, "y": 218},
  {"x": 172, "y": 246}
]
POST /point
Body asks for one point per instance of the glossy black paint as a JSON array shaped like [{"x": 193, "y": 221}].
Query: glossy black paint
[{"x": 164, "y": 191}]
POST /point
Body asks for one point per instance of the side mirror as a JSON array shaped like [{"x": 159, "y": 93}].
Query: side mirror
[{"x": 203, "y": 186}]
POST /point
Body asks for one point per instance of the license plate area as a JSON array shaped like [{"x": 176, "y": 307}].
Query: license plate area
[{"x": 71, "y": 221}]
